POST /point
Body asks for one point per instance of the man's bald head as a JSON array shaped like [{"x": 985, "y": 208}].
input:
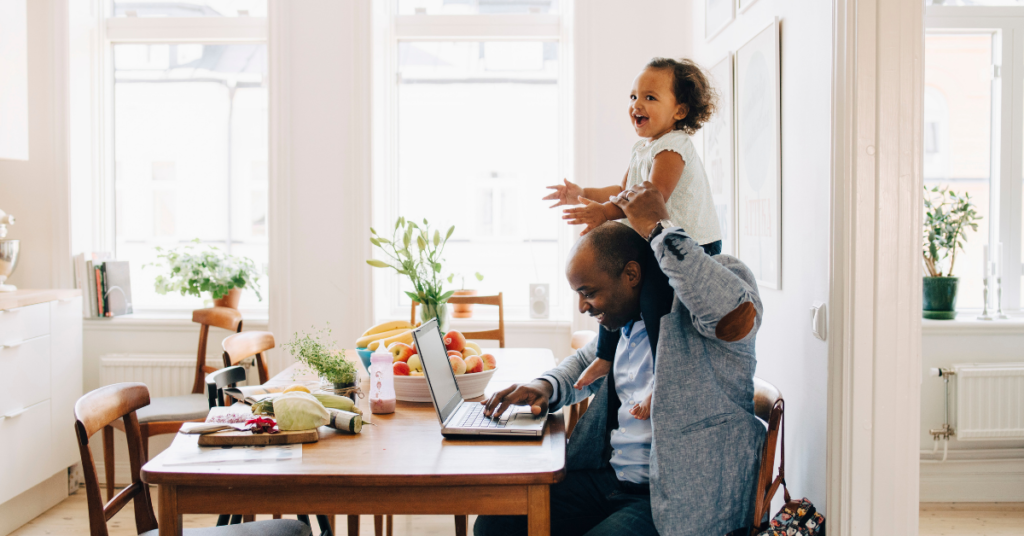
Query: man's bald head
[
  {"x": 605, "y": 269},
  {"x": 612, "y": 246}
]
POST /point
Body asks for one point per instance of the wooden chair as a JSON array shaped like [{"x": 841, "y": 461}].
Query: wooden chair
[
  {"x": 165, "y": 415},
  {"x": 579, "y": 340},
  {"x": 769, "y": 407},
  {"x": 487, "y": 335},
  {"x": 241, "y": 346},
  {"x": 97, "y": 410}
]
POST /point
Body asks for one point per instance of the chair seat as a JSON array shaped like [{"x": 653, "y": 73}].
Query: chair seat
[
  {"x": 175, "y": 408},
  {"x": 270, "y": 527}
]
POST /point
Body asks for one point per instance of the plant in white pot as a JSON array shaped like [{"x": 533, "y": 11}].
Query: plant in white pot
[
  {"x": 193, "y": 270},
  {"x": 948, "y": 217},
  {"x": 463, "y": 310}
]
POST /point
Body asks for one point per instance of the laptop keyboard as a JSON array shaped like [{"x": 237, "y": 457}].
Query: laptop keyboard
[{"x": 475, "y": 418}]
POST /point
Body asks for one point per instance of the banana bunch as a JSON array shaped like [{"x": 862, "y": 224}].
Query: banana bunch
[{"x": 386, "y": 333}]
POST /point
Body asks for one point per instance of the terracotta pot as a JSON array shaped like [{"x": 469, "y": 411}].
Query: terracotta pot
[
  {"x": 463, "y": 310},
  {"x": 230, "y": 299}
]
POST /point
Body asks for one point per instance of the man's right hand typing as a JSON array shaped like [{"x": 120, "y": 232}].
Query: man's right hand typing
[{"x": 535, "y": 394}]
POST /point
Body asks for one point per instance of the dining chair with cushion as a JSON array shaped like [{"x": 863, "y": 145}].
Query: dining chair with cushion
[
  {"x": 166, "y": 414},
  {"x": 769, "y": 406},
  {"x": 486, "y": 335},
  {"x": 122, "y": 401},
  {"x": 241, "y": 346}
]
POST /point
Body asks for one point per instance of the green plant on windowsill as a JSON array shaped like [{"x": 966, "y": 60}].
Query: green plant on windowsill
[
  {"x": 948, "y": 216},
  {"x": 193, "y": 269}
]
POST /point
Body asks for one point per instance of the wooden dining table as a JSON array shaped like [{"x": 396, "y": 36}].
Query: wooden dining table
[{"x": 399, "y": 464}]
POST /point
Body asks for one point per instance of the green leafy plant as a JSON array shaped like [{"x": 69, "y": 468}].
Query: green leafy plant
[
  {"x": 416, "y": 253},
  {"x": 462, "y": 279},
  {"x": 195, "y": 269},
  {"x": 319, "y": 353},
  {"x": 947, "y": 218}
]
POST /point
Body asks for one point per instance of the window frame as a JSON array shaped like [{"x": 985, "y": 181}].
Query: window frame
[
  {"x": 1007, "y": 135},
  {"x": 390, "y": 29},
  {"x": 156, "y": 30}
]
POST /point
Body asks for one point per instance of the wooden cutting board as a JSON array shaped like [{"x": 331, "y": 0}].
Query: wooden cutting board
[{"x": 232, "y": 438}]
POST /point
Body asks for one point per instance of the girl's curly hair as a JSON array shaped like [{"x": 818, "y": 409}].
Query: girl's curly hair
[{"x": 692, "y": 88}]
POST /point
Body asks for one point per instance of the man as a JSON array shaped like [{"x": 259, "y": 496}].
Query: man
[{"x": 690, "y": 469}]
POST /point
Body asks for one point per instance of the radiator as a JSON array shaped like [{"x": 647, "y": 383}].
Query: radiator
[
  {"x": 164, "y": 374},
  {"x": 990, "y": 401}
]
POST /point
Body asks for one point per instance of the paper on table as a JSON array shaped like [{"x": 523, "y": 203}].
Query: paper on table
[{"x": 188, "y": 452}]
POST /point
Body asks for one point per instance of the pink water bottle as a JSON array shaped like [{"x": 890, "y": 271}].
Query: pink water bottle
[{"x": 382, "y": 383}]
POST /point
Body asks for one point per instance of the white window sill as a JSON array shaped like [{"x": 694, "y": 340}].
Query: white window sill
[
  {"x": 165, "y": 321},
  {"x": 967, "y": 323},
  {"x": 476, "y": 324}
]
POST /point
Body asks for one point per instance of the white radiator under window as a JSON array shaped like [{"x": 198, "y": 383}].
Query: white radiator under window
[
  {"x": 164, "y": 374},
  {"x": 989, "y": 401}
]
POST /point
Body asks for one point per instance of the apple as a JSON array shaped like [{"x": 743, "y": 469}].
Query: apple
[
  {"x": 414, "y": 363},
  {"x": 474, "y": 364},
  {"x": 474, "y": 346},
  {"x": 453, "y": 352},
  {"x": 469, "y": 350},
  {"x": 414, "y": 350},
  {"x": 400, "y": 368},
  {"x": 453, "y": 340},
  {"x": 401, "y": 351},
  {"x": 458, "y": 365},
  {"x": 490, "y": 362},
  {"x": 416, "y": 373}
]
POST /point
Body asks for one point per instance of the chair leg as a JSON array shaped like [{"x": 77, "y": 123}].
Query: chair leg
[
  {"x": 378, "y": 526},
  {"x": 276, "y": 516},
  {"x": 248, "y": 518},
  {"x": 461, "y": 525},
  {"x": 108, "y": 459},
  {"x": 353, "y": 525},
  {"x": 391, "y": 524}
]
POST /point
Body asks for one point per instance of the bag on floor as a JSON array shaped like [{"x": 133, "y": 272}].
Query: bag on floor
[{"x": 797, "y": 518}]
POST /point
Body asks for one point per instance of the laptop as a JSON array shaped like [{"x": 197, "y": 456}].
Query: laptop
[{"x": 457, "y": 416}]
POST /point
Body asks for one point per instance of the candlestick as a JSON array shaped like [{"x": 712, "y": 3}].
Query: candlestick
[{"x": 984, "y": 311}]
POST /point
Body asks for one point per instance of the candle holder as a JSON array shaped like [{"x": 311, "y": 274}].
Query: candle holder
[
  {"x": 984, "y": 311},
  {"x": 999, "y": 299}
]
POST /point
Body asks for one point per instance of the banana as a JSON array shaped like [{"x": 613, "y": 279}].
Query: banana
[
  {"x": 386, "y": 326},
  {"x": 405, "y": 337},
  {"x": 367, "y": 339}
]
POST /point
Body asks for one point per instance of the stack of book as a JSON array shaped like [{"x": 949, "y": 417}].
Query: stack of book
[{"x": 105, "y": 284}]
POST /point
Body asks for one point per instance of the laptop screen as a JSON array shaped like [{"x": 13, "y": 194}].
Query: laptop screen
[{"x": 440, "y": 378}]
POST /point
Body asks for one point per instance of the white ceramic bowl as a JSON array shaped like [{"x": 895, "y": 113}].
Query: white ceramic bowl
[{"x": 414, "y": 388}]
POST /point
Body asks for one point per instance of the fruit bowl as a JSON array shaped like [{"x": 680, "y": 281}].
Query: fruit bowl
[
  {"x": 414, "y": 388},
  {"x": 364, "y": 355}
]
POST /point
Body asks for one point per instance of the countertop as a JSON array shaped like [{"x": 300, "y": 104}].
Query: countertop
[{"x": 26, "y": 297}]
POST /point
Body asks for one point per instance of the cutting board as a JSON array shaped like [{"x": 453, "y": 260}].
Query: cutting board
[{"x": 234, "y": 438}]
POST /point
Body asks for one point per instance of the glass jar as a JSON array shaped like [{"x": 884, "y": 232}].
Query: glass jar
[
  {"x": 382, "y": 383},
  {"x": 435, "y": 310}
]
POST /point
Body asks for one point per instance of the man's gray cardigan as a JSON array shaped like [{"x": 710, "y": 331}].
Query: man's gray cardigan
[{"x": 706, "y": 439}]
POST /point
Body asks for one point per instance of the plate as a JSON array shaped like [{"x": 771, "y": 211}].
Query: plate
[{"x": 414, "y": 388}]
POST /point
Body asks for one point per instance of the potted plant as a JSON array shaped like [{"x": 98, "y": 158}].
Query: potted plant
[
  {"x": 195, "y": 270},
  {"x": 416, "y": 253},
  {"x": 318, "y": 352},
  {"x": 464, "y": 310},
  {"x": 947, "y": 218}
]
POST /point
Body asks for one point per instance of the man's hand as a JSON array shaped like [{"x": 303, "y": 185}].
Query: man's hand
[
  {"x": 643, "y": 205},
  {"x": 590, "y": 214},
  {"x": 563, "y": 195},
  {"x": 534, "y": 394}
]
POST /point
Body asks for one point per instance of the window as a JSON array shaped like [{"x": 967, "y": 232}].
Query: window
[
  {"x": 189, "y": 117},
  {"x": 973, "y": 133},
  {"x": 476, "y": 128}
]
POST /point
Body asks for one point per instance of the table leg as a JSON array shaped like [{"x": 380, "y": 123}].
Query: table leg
[
  {"x": 353, "y": 525},
  {"x": 168, "y": 515},
  {"x": 538, "y": 507}
]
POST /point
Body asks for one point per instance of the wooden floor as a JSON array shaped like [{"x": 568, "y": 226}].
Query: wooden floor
[{"x": 70, "y": 518}]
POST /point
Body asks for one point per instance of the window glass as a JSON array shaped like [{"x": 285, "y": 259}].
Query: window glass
[
  {"x": 958, "y": 111},
  {"x": 190, "y": 150},
  {"x": 475, "y": 7},
  {"x": 478, "y": 140},
  {"x": 191, "y": 8}
]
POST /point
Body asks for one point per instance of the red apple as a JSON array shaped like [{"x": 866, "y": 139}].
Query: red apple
[
  {"x": 400, "y": 351},
  {"x": 453, "y": 340},
  {"x": 414, "y": 350},
  {"x": 401, "y": 368},
  {"x": 474, "y": 364},
  {"x": 490, "y": 362},
  {"x": 458, "y": 365}
]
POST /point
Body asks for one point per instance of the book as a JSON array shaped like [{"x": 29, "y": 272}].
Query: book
[
  {"x": 99, "y": 290},
  {"x": 117, "y": 289},
  {"x": 85, "y": 280},
  {"x": 251, "y": 394},
  {"x": 80, "y": 283}
]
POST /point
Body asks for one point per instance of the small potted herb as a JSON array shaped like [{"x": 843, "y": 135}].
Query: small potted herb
[
  {"x": 318, "y": 352},
  {"x": 193, "y": 269},
  {"x": 947, "y": 218},
  {"x": 463, "y": 310}
]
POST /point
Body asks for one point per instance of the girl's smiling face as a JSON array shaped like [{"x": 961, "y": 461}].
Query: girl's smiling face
[{"x": 653, "y": 109}]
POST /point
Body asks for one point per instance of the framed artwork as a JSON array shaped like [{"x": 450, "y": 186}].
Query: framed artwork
[
  {"x": 759, "y": 157},
  {"x": 717, "y": 15},
  {"x": 720, "y": 155},
  {"x": 744, "y": 4}
]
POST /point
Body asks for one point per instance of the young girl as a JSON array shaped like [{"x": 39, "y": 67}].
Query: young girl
[{"x": 670, "y": 101}]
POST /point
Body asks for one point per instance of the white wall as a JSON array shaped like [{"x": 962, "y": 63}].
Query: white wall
[{"x": 788, "y": 355}]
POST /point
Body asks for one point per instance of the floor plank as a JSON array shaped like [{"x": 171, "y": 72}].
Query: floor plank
[{"x": 972, "y": 519}]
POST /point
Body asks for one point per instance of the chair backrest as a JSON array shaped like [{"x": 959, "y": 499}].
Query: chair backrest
[
  {"x": 250, "y": 343},
  {"x": 217, "y": 381},
  {"x": 94, "y": 411},
  {"x": 769, "y": 407},
  {"x": 221, "y": 317},
  {"x": 487, "y": 335},
  {"x": 581, "y": 339}
]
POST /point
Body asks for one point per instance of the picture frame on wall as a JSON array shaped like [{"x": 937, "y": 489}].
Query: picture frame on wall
[
  {"x": 720, "y": 154},
  {"x": 743, "y": 5},
  {"x": 717, "y": 15},
  {"x": 759, "y": 156}
]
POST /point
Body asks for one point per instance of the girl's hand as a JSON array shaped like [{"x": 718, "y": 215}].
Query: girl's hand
[
  {"x": 565, "y": 195},
  {"x": 590, "y": 214}
]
